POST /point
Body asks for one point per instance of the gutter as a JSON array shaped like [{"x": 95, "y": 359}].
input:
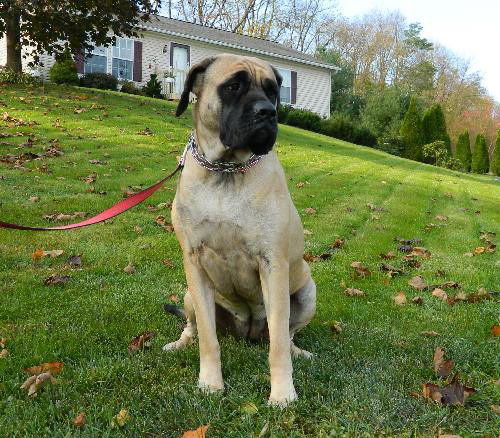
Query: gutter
[{"x": 235, "y": 46}]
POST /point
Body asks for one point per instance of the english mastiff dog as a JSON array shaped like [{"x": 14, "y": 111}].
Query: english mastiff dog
[{"x": 241, "y": 236}]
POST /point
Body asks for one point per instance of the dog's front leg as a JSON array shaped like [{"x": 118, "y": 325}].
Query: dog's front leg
[
  {"x": 203, "y": 297},
  {"x": 275, "y": 288}
]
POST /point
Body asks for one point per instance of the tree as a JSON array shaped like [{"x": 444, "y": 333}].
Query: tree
[
  {"x": 411, "y": 132},
  {"x": 495, "y": 161},
  {"x": 434, "y": 126},
  {"x": 463, "y": 150},
  {"x": 55, "y": 27},
  {"x": 480, "y": 158}
]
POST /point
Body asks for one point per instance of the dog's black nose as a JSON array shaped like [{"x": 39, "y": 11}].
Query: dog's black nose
[{"x": 264, "y": 108}]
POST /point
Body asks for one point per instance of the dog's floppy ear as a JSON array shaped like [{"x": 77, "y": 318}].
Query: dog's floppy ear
[
  {"x": 279, "y": 80},
  {"x": 192, "y": 75}
]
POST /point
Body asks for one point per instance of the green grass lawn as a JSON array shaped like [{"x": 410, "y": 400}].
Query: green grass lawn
[{"x": 361, "y": 379}]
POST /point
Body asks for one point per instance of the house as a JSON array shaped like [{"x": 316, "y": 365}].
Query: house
[{"x": 169, "y": 47}]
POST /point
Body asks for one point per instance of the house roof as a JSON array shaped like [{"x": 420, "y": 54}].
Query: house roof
[{"x": 233, "y": 40}]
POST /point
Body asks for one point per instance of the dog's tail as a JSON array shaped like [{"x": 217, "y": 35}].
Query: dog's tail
[{"x": 175, "y": 310}]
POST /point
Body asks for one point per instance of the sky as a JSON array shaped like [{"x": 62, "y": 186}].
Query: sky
[{"x": 470, "y": 28}]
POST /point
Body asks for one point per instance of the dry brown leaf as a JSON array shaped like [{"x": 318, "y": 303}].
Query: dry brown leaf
[
  {"x": 420, "y": 251},
  {"x": 447, "y": 435},
  {"x": 450, "y": 285},
  {"x": 299, "y": 185},
  {"x": 417, "y": 300},
  {"x": 201, "y": 432},
  {"x": 129, "y": 269},
  {"x": 391, "y": 270},
  {"x": 308, "y": 257},
  {"x": 452, "y": 394},
  {"x": 441, "y": 217},
  {"x": 430, "y": 333},
  {"x": 352, "y": 292},
  {"x": 75, "y": 260},
  {"x": 3, "y": 342},
  {"x": 307, "y": 232},
  {"x": 335, "y": 326},
  {"x": 479, "y": 250},
  {"x": 80, "y": 420},
  {"x": 418, "y": 283},
  {"x": 495, "y": 330},
  {"x": 442, "y": 367},
  {"x": 34, "y": 199},
  {"x": 339, "y": 243},
  {"x": 440, "y": 293},
  {"x": 389, "y": 255},
  {"x": 53, "y": 368},
  {"x": 140, "y": 342},
  {"x": 34, "y": 383},
  {"x": 4, "y": 353},
  {"x": 38, "y": 254},
  {"x": 56, "y": 279},
  {"x": 168, "y": 263},
  {"x": 360, "y": 269},
  {"x": 400, "y": 299},
  {"x": 174, "y": 298},
  {"x": 495, "y": 409},
  {"x": 310, "y": 210}
]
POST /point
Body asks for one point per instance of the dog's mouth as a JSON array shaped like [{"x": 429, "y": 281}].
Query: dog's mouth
[{"x": 257, "y": 136}]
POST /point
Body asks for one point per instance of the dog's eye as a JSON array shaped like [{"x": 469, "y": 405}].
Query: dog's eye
[{"x": 233, "y": 86}]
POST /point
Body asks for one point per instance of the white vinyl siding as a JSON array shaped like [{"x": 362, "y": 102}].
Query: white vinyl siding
[{"x": 3, "y": 51}]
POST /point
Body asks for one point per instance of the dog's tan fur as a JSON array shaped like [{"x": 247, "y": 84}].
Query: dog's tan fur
[{"x": 242, "y": 243}]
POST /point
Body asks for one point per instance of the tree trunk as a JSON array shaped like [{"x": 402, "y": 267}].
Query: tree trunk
[{"x": 13, "y": 33}]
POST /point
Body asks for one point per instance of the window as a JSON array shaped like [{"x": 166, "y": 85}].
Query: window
[
  {"x": 123, "y": 58},
  {"x": 98, "y": 62},
  {"x": 286, "y": 86}
]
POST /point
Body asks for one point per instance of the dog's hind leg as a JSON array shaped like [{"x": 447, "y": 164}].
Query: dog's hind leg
[
  {"x": 189, "y": 332},
  {"x": 302, "y": 310}
]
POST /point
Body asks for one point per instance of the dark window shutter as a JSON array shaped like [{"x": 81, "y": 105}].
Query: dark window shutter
[
  {"x": 137, "y": 61},
  {"x": 293, "y": 92},
  {"x": 80, "y": 61}
]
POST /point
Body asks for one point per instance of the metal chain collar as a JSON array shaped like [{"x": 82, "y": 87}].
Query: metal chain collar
[{"x": 217, "y": 166}]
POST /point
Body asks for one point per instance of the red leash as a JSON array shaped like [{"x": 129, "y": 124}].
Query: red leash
[{"x": 117, "y": 209}]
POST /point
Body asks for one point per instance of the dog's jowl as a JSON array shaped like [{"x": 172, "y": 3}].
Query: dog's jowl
[{"x": 241, "y": 235}]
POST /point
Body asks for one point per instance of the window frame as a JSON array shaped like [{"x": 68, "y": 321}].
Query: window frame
[
  {"x": 121, "y": 57},
  {"x": 286, "y": 74},
  {"x": 97, "y": 52}
]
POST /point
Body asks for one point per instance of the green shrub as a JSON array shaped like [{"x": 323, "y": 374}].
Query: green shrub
[
  {"x": 480, "y": 158},
  {"x": 283, "y": 111},
  {"x": 153, "y": 87},
  {"x": 436, "y": 153},
  {"x": 339, "y": 125},
  {"x": 495, "y": 161},
  {"x": 392, "y": 145},
  {"x": 462, "y": 152},
  {"x": 8, "y": 76},
  {"x": 64, "y": 72},
  {"x": 129, "y": 88},
  {"x": 102, "y": 81},
  {"x": 304, "y": 119},
  {"x": 411, "y": 132},
  {"x": 434, "y": 126}
]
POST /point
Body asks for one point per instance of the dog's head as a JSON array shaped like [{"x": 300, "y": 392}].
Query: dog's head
[{"x": 237, "y": 98}]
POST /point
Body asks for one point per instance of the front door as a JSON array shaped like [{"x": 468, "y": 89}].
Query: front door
[{"x": 180, "y": 62}]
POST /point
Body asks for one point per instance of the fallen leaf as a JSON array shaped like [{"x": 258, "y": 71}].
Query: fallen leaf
[
  {"x": 174, "y": 298},
  {"x": 310, "y": 210},
  {"x": 129, "y": 269},
  {"x": 197, "y": 433},
  {"x": 468, "y": 254},
  {"x": 75, "y": 260},
  {"x": 3, "y": 342},
  {"x": 352, "y": 292},
  {"x": 335, "y": 326},
  {"x": 249, "y": 408},
  {"x": 430, "y": 333},
  {"x": 375, "y": 208},
  {"x": 4, "y": 353},
  {"x": 442, "y": 367},
  {"x": 391, "y": 270},
  {"x": 138, "y": 229},
  {"x": 400, "y": 299},
  {"x": 450, "y": 285},
  {"x": 440, "y": 293},
  {"x": 486, "y": 235},
  {"x": 120, "y": 419},
  {"x": 34, "y": 383},
  {"x": 495, "y": 409},
  {"x": 140, "y": 342},
  {"x": 360, "y": 269},
  {"x": 299, "y": 185},
  {"x": 441, "y": 217},
  {"x": 80, "y": 420},
  {"x": 479, "y": 250},
  {"x": 417, "y": 300},
  {"x": 308, "y": 257},
  {"x": 34, "y": 199},
  {"x": 38, "y": 254},
  {"x": 56, "y": 279},
  {"x": 389, "y": 255},
  {"x": 495, "y": 330},
  {"x": 145, "y": 131},
  {"x": 307, "y": 232},
  {"x": 418, "y": 283},
  {"x": 447, "y": 435},
  {"x": 339, "y": 243},
  {"x": 168, "y": 263},
  {"x": 453, "y": 394},
  {"x": 420, "y": 251},
  {"x": 53, "y": 368}
]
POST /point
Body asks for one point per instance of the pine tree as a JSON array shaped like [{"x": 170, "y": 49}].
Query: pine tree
[
  {"x": 495, "y": 161},
  {"x": 480, "y": 158},
  {"x": 434, "y": 126},
  {"x": 463, "y": 150},
  {"x": 412, "y": 133},
  {"x": 153, "y": 87}
]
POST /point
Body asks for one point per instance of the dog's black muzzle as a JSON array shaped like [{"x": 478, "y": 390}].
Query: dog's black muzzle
[{"x": 262, "y": 135}]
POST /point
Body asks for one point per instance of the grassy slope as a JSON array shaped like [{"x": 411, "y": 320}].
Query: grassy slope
[{"x": 359, "y": 382}]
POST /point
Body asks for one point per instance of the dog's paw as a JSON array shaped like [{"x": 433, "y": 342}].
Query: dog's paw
[
  {"x": 282, "y": 399},
  {"x": 298, "y": 352},
  {"x": 210, "y": 387}
]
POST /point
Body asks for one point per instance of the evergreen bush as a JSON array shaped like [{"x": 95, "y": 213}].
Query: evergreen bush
[
  {"x": 495, "y": 161},
  {"x": 64, "y": 72},
  {"x": 153, "y": 87},
  {"x": 102, "y": 81},
  {"x": 129, "y": 88},
  {"x": 480, "y": 158},
  {"x": 434, "y": 126},
  {"x": 411, "y": 132},
  {"x": 462, "y": 152},
  {"x": 8, "y": 76}
]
